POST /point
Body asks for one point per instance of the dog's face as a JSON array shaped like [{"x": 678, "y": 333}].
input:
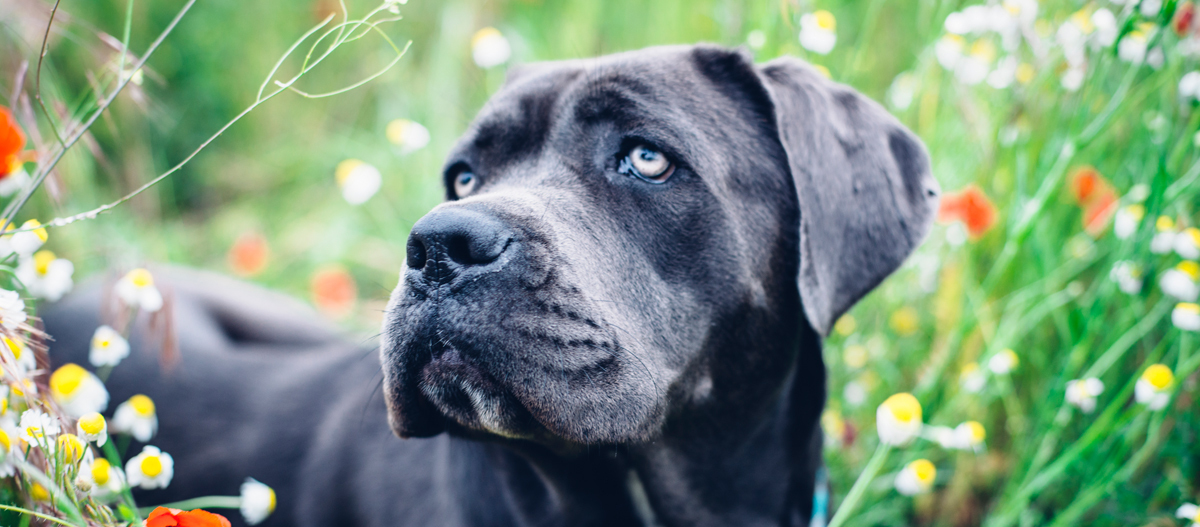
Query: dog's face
[{"x": 643, "y": 237}]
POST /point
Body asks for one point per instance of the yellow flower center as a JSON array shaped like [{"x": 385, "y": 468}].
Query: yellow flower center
[
  {"x": 37, "y": 229},
  {"x": 142, "y": 405},
  {"x": 1191, "y": 268},
  {"x": 1137, "y": 212},
  {"x": 20, "y": 388},
  {"x": 5, "y": 441},
  {"x": 969, "y": 368},
  {"x": 92, "y": 423},
  {"x": 1194, "y": 234},
  {"x": 1081, "y": 390},
  {"x": 67, "y": 379},
  {"x": 271, "y": 500},
  {"x": 14, "y": 346},
  {"x": 825, "y": 20},
  {"x": 3, "y": 405},
  {"x": 978, "y": 433},
  {"x": 41, "y": 261},
  {"x": 1188, "y": 307},
  {"x": 855, "y": 356},
  {"x": 983, "y": 50},
  {"x": 924, "y": 470},
  {"x": 1164, "y": 223},
  {"x": 1082, "y": 19},
  {"x": 1159, "y": 376},
  {"x": 956, "y": 40},
  {"x": 38, "y": 492},
  {"x": 100, "y": 471},
  {"x": 845, "y": 325},
  {"x": 486, "y": 33},
  {"x": 904, "y": 321},
  {"x": 102, "y": 342},
  {"x": 1025, "y": 73},
  {"x": 151, "y": 466},
  {"x": 71, "y": 446},
  {"x": 140, "y": 278},
  {"x": 904, "y": 407},
  {"x": 1011, "y": 357},
  {"x": 395, "y": 133}
]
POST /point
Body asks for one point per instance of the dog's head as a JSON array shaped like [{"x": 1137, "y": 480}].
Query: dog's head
[{"x": 640, "y": 237}]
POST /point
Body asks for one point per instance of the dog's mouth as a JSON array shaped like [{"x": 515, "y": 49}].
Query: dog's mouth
[{"x": 464, "y": 393}]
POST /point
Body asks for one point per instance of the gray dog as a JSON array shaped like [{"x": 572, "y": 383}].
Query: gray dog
[{"x": 615, "y": 318}]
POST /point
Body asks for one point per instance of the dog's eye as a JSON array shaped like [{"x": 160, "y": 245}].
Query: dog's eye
[
  {"x": 647, "y": 163},
  {"x": 465, "y": 183}
]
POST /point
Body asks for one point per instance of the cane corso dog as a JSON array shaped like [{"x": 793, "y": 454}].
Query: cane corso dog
[{"x": 614, "y": 319}]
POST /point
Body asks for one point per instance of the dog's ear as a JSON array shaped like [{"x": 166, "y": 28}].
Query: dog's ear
[{"x": 866, "y": 194}]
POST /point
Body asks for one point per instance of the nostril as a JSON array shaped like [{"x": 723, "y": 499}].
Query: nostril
[
  {"x": 416, "y": 253},
  {"x": 473, "y": 249}
]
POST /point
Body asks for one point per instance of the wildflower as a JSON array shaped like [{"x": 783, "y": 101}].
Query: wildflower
[
  {"x": 1186, "y": 316},
  {"x": 24, "y": 242},
  {"x": 105, "y": 480},
  {"x": 972, "y": 19},
  {"x": 1164, "y": 236},
  {"x": 1152, "y": 388},
  {"x": 1003, "y": 362},
  {"x": 916, "y": 478},
  {"x": 1106, "y": 28},
  {"x": 77, "y": 390},
  {"x": 12, "y": 142},
  {"x": 1189, "y": 86},
  {"x": 1004, "y": 74},
  {"x": 970, "y": 206},
  {"x": 39, "y": 493},
  {"x": 1127, "y": 219},
  {"x": 164, "y": 517},
  {"x": 358, "y": 181},
  {"x": 1133, "y": 47},
  {"x": 108, "y": 347},
  {"x": 410, "y": 136},
  {"x": 756, "y": 39},
  {"x": 1189, "y": 512},
  {"x": 12, "y": 309},
  {"x": 854, "y": 394},
  {"x": 71, "y": 447},
  {"x": 248, "y": 255},
  {"x": 1025, "y": 74},
  {"x": 489, "y": 48},
  {"x": 24, "y": 356},
  {"x": 136, "y": 417},
  {"x": 818, "y": 32},
  {"x": 1150, "y": 8},
  {"x": 6, "y": 449},
  {"x": 136, "y": 289},
  {"x": 949, "y": 50},
  {"x": 904, "y": 321},
  {"x": 38, "y": 428},
  {"x": 972, "y": 378},
  {"x": 1128, "y": 277},
  {"x": 898, "y": 419},
  {"x": 902, "y": 91},
  {"x": 855, "y": 356},
  {"x": 1072, "y": 37},
  {"x": 1187, "y": 243},
  {"x": 258, "y": 501},
  {"x": 1097, "y": 213},
  {"x": 845, "y": 325},
  {"x": 974, "y": 66},
  {"x": 1072, "y": 78},
  {"x": 1082, "y": 393},
  {"x": 150, "y": 469},
  {"x": 14, "y": 182},
  {"x": 46, "y": 276},
  {"x": 93, "y": 427},
  {"x": 969, "y": 435},
  {"x": 1185, "y": 14},
  {"x": 333, "y": 291},
  {"x": 833, "y": 426},
  {"x": 1180, "y": 281}
]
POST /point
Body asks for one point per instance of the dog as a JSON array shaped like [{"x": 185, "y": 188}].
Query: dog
[{"x": 614, "y": 319}]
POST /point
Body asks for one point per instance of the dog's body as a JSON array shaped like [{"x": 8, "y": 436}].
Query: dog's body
[{"x": 616, "y": 317}]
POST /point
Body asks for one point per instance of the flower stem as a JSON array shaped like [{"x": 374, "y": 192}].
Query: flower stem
[
  {"x": 860, "y": 485},
  {"x": 203, "y": 502},
  {"x": 36, "y": 514}
]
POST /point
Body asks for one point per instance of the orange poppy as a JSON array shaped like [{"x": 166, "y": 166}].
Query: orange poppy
[
  {"x": 12, "y": 142},
  {"x": 1086, "y": 181},
  {"x": 333, "y": 291},
  {"x": 1099, "y": 211},
  {"x": 970, "y": 206},
  {"x": 1096, "y": 196},
  {"x": 164, "y": 517},
  {"x": 249, "y": 254}
]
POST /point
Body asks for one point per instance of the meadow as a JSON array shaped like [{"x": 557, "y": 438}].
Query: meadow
[{"x": 1034, "y": 363}]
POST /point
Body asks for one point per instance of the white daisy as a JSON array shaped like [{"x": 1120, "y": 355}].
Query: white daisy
[
  {"x": 1153, "y": 388},
  {"x": 150, "y": 469},
  {"x": 972, "y": 378},
  {"x": 1187, "y": 243},
  {"x": 898, "y": 419},
  {"x": 38, "y": 428},
  {"x": 136, "y": 289},
  {"x": 258, "y": 501},
  {"x": 1189, "y": 512},
  {"x": 1164, "y": 235},
  {"x": 1128, "y": 277},
  {"x": 916, "y": 478},
  {"x": 46, "y": 276},
  {"x": 77, "y": 390},
  {"x": 410, "y": 136},
  {"x": 1186, "y": 316},
  {"x": 108, "y": 347},
  {"x": 104, "y": 481},
  {"x": 1003, "y": 362},
  {"x": 1180, "y": 281},
  {"x": 359, "y": 181},
  {"x": 24, "y": 243},
  {"x": 1127, "y": 219},
  {"x": 818, "y": 32},
  {"x": 489, "y": 48},
  {"x": 12, "y": 309},
  {"x": 93, "y": 427},
  {"x": 1082, "y": 393},
  {"x": 136, "y": 417},
  {"x": 26, "y": 359}
]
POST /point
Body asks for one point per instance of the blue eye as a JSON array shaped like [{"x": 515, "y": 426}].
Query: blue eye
[
  {"x": 465, "y": 183},
  {"x": 647, "y": 163}
]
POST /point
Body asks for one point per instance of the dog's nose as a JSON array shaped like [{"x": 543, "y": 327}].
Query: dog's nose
[{"x": 446, "y": 241}]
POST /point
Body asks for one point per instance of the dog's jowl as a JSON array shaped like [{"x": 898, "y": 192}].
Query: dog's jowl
[{"x": 614, "y": 318}]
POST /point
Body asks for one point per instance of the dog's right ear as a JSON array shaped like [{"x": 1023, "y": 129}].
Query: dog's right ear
[{"x": 866, "y": 194}]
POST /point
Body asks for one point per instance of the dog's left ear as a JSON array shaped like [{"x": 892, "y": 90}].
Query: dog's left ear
[{"x": 866, "y": 194}]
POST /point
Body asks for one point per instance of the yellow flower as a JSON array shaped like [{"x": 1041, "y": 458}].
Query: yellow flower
[
  {"x": 93, "y": 427},
  {"x": 904, "y": 321},
  {"x": 71, "y": 447},
  {"x": 1153, "y": 387},
  {"x": 845, "y": 325},
  {"x": 25, "y": 357},
  {"x": 898, "y": 419},
  {"x": 258, "y": 501},
  {"x": 1025, "y": 73},
  {"x": 916, "y": 478},
  {"x": 77, "y": 390},
  {"x": 39, "y": 493},
  {"x": 1003, "y": 362},
  {"x": 855, "y": 356}
]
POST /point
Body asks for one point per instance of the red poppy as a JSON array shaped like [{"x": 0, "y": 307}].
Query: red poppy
[
  {"x": 12, "y": 142},
  {"x": 970, "y": 206},
  {"x": 333, "y": 291},
  {"x": 249, "y": 254},
  {"x": 1085, "y": 182},
  {"x": 1185, "y": 14},
  {"x": 1099, "y": 211},
  {"x": 164, "y": 517}
]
